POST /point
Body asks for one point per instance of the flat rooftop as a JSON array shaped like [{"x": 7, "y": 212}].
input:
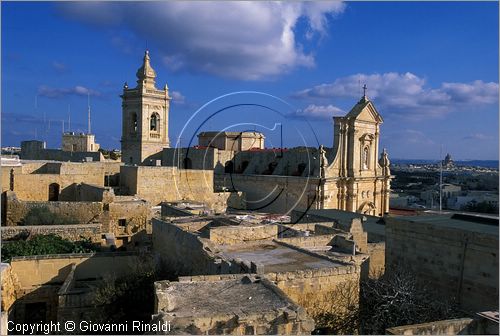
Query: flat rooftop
[
  {"x": 240, "y": 296},
  {"x": 275, "y": 257},
  {"x": 448, "y": 221}
]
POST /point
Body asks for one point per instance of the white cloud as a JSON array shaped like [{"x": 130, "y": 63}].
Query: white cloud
[
  {"x": 50, "y": 92},
  {"x": 319, "y": 112},
  {"x": 59, "y": 66},
  {"x": 243, "y": 40},
  {"x": 406, "y": 93},
  {"x": 410, "y": 136},
  {"x": 478, "y": 136},
  {"x": 177, "y": 97}
]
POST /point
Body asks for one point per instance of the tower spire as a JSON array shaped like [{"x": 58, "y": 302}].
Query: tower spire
[{"x": 146, "y": 74}]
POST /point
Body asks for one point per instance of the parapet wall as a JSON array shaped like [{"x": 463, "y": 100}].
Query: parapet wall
[
  {"x": 185, "y": 252},
  {"x": 459, "y": 263},
  {"x": 230, "y": 235},
  {"x": 73, "y": 232},
  {"x": 35, "y": 271}
]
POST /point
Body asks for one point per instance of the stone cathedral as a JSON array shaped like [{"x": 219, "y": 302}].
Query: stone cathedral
[{"x": 352, "y": 175}]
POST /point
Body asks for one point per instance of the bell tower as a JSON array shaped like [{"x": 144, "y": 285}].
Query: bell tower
[{"x": 144, "y": 117}]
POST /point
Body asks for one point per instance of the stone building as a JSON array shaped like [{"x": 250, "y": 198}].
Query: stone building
[
  {"x": 230, "y": 304},
  {"x": 144, "y": 117},
  {"x": 349, "y": 176},
  {"x": 309, "y": 270},
  {"x": 79, "y": 142},
  {"x": 232, "y": 141}
]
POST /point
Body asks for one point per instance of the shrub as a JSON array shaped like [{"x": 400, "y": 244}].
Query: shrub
[
  {"x": 43, "y": 216},
  {"x": 44, "y": 244}
]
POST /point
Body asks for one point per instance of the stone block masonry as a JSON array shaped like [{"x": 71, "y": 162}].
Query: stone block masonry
[{"x": 73, "y": 232}]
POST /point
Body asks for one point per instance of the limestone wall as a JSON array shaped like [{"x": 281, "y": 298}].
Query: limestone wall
[
  {"x": 95, "y": 193},
  {"x": 229, "y": 235},
  {"x": 59, "y": 155},
  {"x": 271, "y": 193},
  {"x": 31, "y": 182},
  {"x": 458, "y": 263},
  {"x": 318, "y": 290},
  {"x": 311, "y": 241},
  {"x": 10, "y": 287},
  {"x": 82, "y": 212},
  {"x": 73, "y": 232},
  {"x": 185, "y": 252},
  {"x": 49, "y": 269},
  {"x": 376, "y": 251},
  {"x": 463, "y": 326},
  {"x": 158, "y": 184}
]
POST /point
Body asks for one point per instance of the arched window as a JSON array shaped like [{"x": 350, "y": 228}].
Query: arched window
[
  {"x": 134, "y": 122},
  {"x": 229, "y": 167},
  {"x": 187, "y": 164},
  {"x": 53, "y": 192},
  {"x": 365, "y": 158},
  {"x": 155, "y": 119}
]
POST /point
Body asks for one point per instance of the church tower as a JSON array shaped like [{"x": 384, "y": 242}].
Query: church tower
[
  {"x": 363, "y": 181},
  {"x": 144, "y": 117}
]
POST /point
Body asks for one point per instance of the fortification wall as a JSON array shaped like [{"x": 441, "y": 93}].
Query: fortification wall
[
  {"x": 458, "y": 263},
  {"x": 81, "y": 212},
  {"x": 73, "y": 232}
]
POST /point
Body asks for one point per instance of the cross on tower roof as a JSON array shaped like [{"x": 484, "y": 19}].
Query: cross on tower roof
[{"x": 364, "y": 90}]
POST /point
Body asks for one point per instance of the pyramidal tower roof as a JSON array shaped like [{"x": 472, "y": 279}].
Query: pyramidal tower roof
[{"x": 146, "y": 74}]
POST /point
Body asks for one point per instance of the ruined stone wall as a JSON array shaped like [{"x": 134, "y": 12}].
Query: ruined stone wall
[
  {"x": 461, "y": 326},
  {"x": 95, "y": 193},
  {"x": 184, "y": 252},
  {"x": 10, "y": 287},
  {"x": 82, "y": 212},
  {"x": 376, "y": 251},
  {"x": 35, "y": 271},
  {"x": 135, "y": 216},
  {"x": 318, "y": 290},
  {"x": 230, "y": 235},
  {"x": 457, "y": 263},
  {"x": 311, "y": 241},
  {"x": 73, "y": 232}
]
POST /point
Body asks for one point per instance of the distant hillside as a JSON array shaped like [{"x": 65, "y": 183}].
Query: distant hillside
[{"x": 473, "y": 163}]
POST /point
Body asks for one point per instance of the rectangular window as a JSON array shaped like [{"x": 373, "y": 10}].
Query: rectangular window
[{"x": 122, "y": 222}]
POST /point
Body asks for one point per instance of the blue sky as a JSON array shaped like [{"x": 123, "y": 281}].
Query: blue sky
[{"x": 431, "y": 69}]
